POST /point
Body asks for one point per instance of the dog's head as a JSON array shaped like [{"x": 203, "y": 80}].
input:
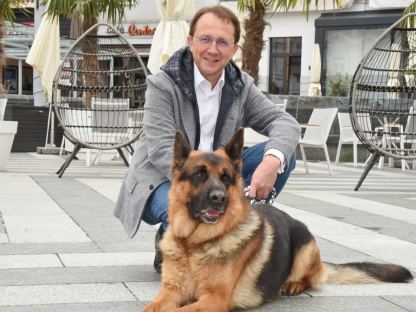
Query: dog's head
[{"x": 205, "y": 184}]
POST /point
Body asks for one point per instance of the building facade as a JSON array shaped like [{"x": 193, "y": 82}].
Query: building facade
[{"x": 344, "y": 36}]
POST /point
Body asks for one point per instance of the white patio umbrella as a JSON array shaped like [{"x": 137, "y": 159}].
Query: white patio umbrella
[
  {"x": 315, "y": 84},
  {"x": 44, "y": 55},
  {"x": 171, "y": 32}
]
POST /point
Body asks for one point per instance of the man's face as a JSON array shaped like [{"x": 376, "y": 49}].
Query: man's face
[{"x": 213, "y": 57}]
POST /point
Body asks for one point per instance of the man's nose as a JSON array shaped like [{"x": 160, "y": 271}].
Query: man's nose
[{"x": 213, "y": 46}]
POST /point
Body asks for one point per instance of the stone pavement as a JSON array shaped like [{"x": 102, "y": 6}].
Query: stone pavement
[{"x": 62, "y": 250}]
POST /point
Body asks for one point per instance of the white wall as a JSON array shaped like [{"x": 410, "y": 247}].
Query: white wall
[{"x": 289, "y": 25}]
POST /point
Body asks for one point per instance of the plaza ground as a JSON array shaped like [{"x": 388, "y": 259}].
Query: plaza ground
[{"x": 61, "y": 249}]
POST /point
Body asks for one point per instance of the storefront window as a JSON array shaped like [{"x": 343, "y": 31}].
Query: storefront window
[
  {"x": 285, "y": 65},
  {"x": 344, "y": 50}
]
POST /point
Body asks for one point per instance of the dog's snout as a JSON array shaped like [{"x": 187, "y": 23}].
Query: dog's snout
[{"x": 217, "y": 197}]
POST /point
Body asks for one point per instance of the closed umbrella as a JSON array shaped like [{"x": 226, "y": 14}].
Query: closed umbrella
[
  {"x": 315, "y": 84},
  {"x": 44, "y": 55},
  {"x": 171, "y": 32}
]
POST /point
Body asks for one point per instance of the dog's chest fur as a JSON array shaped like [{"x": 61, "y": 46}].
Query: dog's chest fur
[
  {"x": 218, "y": 258},
  {"x": 218, "y": 250}
]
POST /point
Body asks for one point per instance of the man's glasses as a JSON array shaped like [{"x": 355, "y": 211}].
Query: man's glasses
[{"x": 220, "y": 43}]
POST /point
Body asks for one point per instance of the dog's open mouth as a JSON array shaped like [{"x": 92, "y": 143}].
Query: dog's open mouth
[{"x": 211, "y": 215}]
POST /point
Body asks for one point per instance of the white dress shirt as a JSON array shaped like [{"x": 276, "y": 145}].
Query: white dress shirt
[{"x": 209, "y": 100}]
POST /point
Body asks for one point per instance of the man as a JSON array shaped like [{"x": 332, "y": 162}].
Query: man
[{"x": 203, "y": 94}]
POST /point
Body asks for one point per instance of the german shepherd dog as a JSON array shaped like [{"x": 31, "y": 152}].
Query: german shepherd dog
[{"x": 219, "y": 253}]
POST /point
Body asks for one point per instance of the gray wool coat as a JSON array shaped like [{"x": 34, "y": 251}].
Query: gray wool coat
[{"x": 171, "y": 105}]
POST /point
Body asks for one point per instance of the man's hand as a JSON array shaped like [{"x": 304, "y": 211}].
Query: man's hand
[{"x": 264, "y": 177}]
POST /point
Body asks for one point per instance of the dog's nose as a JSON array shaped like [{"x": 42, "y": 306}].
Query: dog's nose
[{"x": 217, "y": 197}]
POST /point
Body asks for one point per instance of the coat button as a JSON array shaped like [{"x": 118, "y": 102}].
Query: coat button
[{"x": 151, "y": 187}]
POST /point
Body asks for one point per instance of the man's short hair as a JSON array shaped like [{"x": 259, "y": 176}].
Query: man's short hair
[{"x": 222, "y": 13}]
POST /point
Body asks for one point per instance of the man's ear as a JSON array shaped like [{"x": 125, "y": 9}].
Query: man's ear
[
  {"x": 181, "y": 150},
  {"x": 234, "y": 148},
  {"x": 189, "y": 40}
]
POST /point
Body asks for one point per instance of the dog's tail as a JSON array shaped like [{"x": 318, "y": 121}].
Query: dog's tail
[{"x": 364, "y": 273}]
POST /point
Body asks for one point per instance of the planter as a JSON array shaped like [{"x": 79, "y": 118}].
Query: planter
[{"x": 8, "y": 130}]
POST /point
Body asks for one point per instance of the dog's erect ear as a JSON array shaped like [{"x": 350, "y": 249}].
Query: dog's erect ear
[
  {"x": 234, "y": 148},
  {"x": 181, "y": 150}
]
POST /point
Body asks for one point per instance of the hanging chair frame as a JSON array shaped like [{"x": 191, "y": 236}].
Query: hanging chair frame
[
  {"x": 377, "y": 150},
  {"x": 58, "y": 108}
]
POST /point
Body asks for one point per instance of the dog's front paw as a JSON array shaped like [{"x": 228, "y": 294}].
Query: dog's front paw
[{"x": 151, "y": 307}]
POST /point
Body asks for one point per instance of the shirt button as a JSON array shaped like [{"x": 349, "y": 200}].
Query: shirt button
[{"x": 151, "y": 187}]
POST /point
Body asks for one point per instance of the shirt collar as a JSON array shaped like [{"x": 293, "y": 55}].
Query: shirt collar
[{"x": 199, "y": 79}]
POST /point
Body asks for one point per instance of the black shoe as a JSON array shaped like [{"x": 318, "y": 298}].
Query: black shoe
[{"x": 157, "y": 263}]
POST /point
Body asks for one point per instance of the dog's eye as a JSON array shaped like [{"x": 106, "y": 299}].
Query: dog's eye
[
  {"x": 200, "y": 174},
  {"x": 225, "y": 178}
]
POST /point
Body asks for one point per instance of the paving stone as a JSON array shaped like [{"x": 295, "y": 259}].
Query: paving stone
[
  {"x": 406, "y": 302},
  {"x": 391, "y": 211},
  {"x": 384, "y": 289},
  {"x": 369, "y": 242},
  {"x": 144, "y": 291},
  {"x": 335, "y": 253},
  {"x": 330, "y": 304},
  {"x": 29, "y": 261},
  {"x": 78, "y": 307},
  {"x": 142, "y": 241},
  {"x": 388, "y": 249},
  {"x": 42, "y": 248},
  {"x": 107, "y": 259},
  {"x": 401, "y": 200},
  {"x": 89, "y": 209},
  {"x": 72, "y": 293},
  {"x": 4, "y": 239},
  {"x": 78, "y": 275},
  {"x": 401, "y": 230},
  {"x": 43, "y": 229},
  {"x": 108, "y": 187}
]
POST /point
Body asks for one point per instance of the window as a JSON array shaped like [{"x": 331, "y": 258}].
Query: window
[
  {"x": 344, "y": 51},
  {"x": 285, "y": 65},
  {"x": 345, "y": 38}
]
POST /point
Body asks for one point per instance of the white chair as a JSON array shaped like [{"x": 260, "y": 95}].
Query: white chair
[
  {"x": 252, "y": 137},
  {"x": 347, "y": 134},
  {"x": 407, "y": 137},
  {"x": 110, "y": 120},
  {"x": 317, "y": 132},
  {"x": 78, "y": 121},
  {"x": 3, "y": 103}
]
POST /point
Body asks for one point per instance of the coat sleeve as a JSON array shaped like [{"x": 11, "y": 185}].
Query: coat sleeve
[
  {"x": 159, "y": 122},
  {"x": 268, "y": 119}
]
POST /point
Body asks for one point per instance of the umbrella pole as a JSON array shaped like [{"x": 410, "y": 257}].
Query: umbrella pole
[
  {"x": 47, "y": 127},
  {"x": 52, "y": 126}
]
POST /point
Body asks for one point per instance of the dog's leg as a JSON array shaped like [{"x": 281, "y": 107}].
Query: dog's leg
[
  {"x": 212, "y": 302},
  {"x": 306, "y": 272},
  {"x": 167, "y": 300}
]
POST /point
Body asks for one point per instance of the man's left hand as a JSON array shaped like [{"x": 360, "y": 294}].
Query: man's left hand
[{"x": 264, "y": 177}]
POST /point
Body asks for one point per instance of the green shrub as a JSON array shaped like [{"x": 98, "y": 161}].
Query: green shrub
[{"x": 339, "y": 85}]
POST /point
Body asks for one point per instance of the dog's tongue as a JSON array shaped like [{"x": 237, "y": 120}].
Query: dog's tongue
[{"x": 213, "y": 212}]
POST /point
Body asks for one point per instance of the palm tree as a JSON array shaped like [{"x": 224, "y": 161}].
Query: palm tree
[
  {"x": 254, "y": 26},
  {"x": 7, "y": 14},
  {"x": 88, "y": 11}
]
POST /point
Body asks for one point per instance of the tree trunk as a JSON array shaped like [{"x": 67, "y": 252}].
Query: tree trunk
[
  {"x": 90, "y": 63},
  {"x": 253, "y": 40}
]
